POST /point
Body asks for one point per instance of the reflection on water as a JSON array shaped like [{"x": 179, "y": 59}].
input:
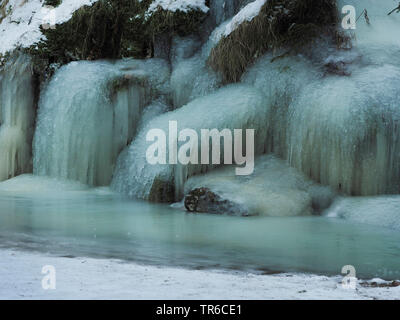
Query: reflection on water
[{"x": 72, "y": 220}]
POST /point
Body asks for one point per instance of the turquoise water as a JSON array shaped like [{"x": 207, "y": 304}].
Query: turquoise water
[{"x": 73, "y": 220}]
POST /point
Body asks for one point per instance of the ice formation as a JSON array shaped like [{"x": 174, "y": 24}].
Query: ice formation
[
  {"x": 381, "y": 211},
  {"x": 275, "y": 189},
  {"x": 89, "y": 112},
  {"x": 332, "y": 114},
  {"x": 340, "y": 127},
  {"x": 17, "y": 117},
  {"x": 232, "y": 107}
]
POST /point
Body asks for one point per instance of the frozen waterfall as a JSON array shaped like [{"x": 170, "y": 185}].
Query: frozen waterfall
[
  {"x": 336, "y": 116},
  {"x": 89, "y": 112},
  {"x": 333, "y": 114},
  {"x": 17, "y": 117},
  {"x": 232, "y": 107}
]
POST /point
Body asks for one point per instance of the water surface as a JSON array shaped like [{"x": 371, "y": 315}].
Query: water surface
[{"x": 72, "y": 220}]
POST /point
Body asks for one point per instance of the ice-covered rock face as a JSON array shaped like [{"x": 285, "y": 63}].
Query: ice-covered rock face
[
  {"x": 340, "y": 128},
  {"x": 381, "y": 211},
  {"x": 222, "y": 10},
  {"x": 17, "y": 117},
  {"x": 89, "y": 112},
  {"x": 233, "y": 107},
  {"x": 191, "y": 77},
  {"x": 344, "y": 132},
  {"x": 274, "y": 189}
]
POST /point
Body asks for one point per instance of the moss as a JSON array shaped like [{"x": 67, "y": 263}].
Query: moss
[
  {"x": 109, "y": 29},
  {"x": 180, "y": 23},
  {"x": 290, "y": 24},
  {"x": 92, "y": 33},
  {"x": 53, "y": 3},
  {"x": 4, "y": 58}
]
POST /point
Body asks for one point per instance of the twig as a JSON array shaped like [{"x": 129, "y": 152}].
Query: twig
[
  {"x": 398, "y": 10},
  {"x": 365, "y": 13}
]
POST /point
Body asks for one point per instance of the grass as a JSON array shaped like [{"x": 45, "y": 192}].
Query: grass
[
  {"x": 290, "y": 24},
  {"x": 4, "y": 11}
]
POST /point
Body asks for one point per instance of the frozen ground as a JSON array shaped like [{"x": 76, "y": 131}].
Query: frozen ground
[
  {"x": 82, "y": 278},
  {"x": 21, "y": 26},
  {"x": 23, "y": 18}
]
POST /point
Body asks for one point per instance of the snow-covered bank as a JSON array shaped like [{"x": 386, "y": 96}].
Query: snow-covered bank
[
  {"x": 21, "y": 26},
  {"x": 84, "y": 278}
]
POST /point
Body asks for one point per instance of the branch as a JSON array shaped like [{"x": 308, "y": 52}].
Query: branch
[{"x": 398, "y": 10}]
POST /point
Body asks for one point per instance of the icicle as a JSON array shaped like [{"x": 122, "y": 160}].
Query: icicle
[
  {"x": 17, "y": 116},
  {"x": 232, "y": 107},
  {"x": 89, "y": 112}
]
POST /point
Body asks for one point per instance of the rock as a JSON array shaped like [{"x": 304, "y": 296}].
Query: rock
[
  {"x": 274, "y": 189},
  {"x": 203, "y": 200},
  {"x": 339, "y": 68}
]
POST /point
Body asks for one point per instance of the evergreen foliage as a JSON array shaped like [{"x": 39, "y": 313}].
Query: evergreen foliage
[
  {"x": 111, "y": 29},
  {"x": 53, "y": 3}
]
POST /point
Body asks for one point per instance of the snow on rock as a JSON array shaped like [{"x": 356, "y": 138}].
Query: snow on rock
[
  {"x": 177, "y": 5},
  {"x": 21, "y": 25},
  {"x": 248, "y": 13},
  {"x": 284, "y": 190}
]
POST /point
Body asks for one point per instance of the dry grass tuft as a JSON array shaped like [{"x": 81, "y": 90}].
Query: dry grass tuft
[{"x": 289, "y": 24}]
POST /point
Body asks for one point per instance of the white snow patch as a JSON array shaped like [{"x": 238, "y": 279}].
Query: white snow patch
[
  {"x": 21, "y": 27},
  {"x": 177, "y": 5},
  {"x": 87, "y": 278},
  {"x": 248, "y": 13}
]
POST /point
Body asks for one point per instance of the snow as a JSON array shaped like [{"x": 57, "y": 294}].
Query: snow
[
  {"x": 248, "y": 13},
  {"x": 285, "y": 191},
  {"x": 177, "y": 5},
  {"x": 21, "y": 28},
  {"x": 87, "y": 278}
]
